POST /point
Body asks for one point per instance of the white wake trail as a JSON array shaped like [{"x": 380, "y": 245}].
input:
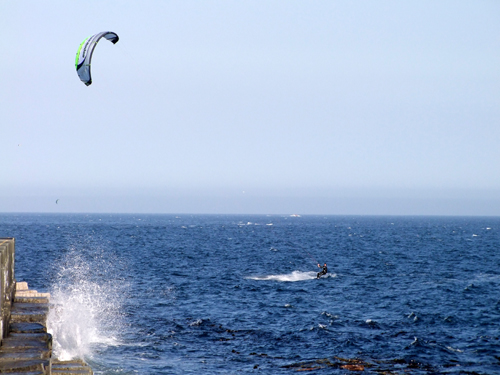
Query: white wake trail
[{"x": 290, "y": 277}]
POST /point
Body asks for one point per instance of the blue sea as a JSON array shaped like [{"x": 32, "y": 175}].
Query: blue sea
[{"x": 223, "y": 294}]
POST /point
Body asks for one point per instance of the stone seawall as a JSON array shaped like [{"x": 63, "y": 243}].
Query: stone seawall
[
  {"x": 26, "y": 346},
  {"x": 7, "y": 282}
]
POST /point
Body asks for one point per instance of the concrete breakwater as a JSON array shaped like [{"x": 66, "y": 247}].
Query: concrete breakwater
[{"x": 26, "y": 346}]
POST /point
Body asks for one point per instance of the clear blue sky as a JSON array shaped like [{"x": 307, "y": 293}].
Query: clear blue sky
[{"x": 326, "y": 107}]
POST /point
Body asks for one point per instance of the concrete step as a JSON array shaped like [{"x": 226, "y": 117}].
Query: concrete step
[
  {"x": 21, "y": 285},
  {"x": 20, "y": 343},
  {"x": 28, "y": 317},
  {"x": 27, "y": 349},
  {"x": 82, "y": 371},
  {"x": 23, "y": 366},
  {"x": 30, "y": 299},
  {"x": 30, "y": 293},
  {"x": 24, "y": 355},
  {"x": 73, "y": 367},
  {"x": 69, "y": 363},
  {"x": 29, "y": 313},
  {"x": 30, "y": 306},
  {"x": 44, "y": 337},
  {"x": 27, "y": 328}
]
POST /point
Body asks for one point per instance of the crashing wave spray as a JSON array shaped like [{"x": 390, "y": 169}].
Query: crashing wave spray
[{"x": 86, "y": 305}]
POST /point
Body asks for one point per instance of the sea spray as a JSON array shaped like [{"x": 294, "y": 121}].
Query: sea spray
[{"x": 86, "y": 301}]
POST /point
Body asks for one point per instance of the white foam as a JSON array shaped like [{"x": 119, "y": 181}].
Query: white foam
[
  {"x": 197, "y": 322},
  {"x": 86, "y": 312},
  {"x": 291, "y": 277}
]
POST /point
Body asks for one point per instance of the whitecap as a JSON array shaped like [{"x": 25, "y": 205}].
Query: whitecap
[
  {"x": 197, "y": 322},
  {"x": 330, "y": 315},
  {"x": 414, "y": 316}
]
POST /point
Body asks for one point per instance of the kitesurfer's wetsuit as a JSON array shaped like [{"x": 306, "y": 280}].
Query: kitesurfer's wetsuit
[{"x": 323, "y": 271}]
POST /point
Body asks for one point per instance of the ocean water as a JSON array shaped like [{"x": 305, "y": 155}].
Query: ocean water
[{"x": 208, "y": 294}]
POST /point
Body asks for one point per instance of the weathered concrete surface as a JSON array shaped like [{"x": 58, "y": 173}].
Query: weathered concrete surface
[
  {"x": 26, "y": 366},
  {"x": 22, "y": 291},
  {"x": 27, "y": 328},
  {"x": 7, "y": 281},
  {"x": 27, "y": 341},
  {"x": 23, "y": 312},
  {"x": 25, "y": 345},
  {"x": 22, "y": 299},
  {"x": 71, "y": 368}
]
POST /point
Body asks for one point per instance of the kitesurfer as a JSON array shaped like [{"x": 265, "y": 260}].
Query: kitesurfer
[{"x": 323, "y": 271}]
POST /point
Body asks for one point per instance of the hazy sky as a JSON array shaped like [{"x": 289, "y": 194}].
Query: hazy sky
[{"x": 331, "y": 107}]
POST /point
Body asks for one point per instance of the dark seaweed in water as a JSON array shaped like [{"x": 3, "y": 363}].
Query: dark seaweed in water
[{"x": 234, "y": 294}]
